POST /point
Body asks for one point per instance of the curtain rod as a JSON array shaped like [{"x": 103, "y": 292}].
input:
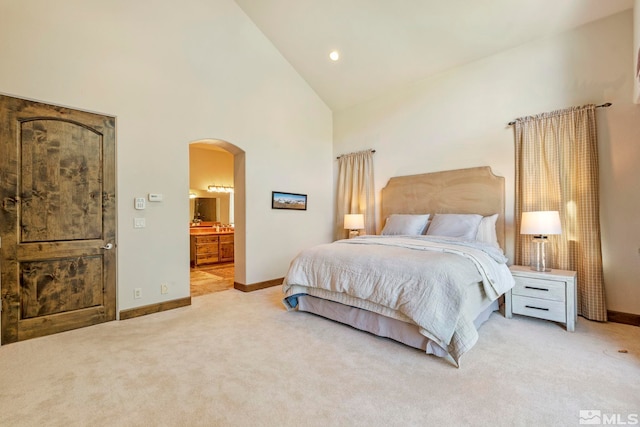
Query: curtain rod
[
  {"x": 338, "y": 158},
  {"x": 605, "y": 105}
]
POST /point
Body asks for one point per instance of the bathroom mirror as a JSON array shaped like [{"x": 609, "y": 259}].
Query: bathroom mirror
[{"x": 205, "y": 209}]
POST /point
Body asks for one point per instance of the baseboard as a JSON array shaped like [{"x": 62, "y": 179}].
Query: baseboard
[
  {"x": 258, "y": 286},
  {"x": 626, "y": 318},
  {"x": 154, "y": 308}
]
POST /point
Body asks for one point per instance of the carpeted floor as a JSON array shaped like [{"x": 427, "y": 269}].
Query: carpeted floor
[{"x": 240, "y": 359}]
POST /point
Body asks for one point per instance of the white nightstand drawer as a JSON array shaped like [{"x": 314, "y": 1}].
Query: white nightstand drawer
[
  {"x": 540, "y": 308},
  {"x": 540, "y": 288}
]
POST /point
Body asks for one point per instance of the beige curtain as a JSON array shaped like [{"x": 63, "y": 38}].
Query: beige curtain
[
  {"x": 355, "y": 192},
  {"x": 557, "y": 170}
]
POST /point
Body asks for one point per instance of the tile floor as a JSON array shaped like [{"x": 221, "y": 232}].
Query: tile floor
[{"x": 206, "y": 279}]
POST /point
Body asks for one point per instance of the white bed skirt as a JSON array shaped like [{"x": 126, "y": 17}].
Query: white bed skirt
[{"x": 383, "y": 326}]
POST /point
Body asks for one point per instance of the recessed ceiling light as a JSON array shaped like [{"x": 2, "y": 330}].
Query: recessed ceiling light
[{"x": 334, "y": 55}]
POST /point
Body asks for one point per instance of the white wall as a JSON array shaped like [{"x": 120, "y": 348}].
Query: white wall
[
  {"x": 173, "y": 73},
  {"x": 459, "y": 119}
]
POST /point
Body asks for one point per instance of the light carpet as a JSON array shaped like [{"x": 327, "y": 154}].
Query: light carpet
[{"x": 239, "y": 359}]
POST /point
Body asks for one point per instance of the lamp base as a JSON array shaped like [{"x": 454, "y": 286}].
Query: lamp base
[
  {"x": 540, "y": 269},
  {"x": 539, "y": 254},
  {"x": 354, "y": 233}
]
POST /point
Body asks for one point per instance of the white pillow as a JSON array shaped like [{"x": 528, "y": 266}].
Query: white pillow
[
  {"x": 487, "y": 230},
  {"x": 405, "y": 224},
  {"x": 464, "y": 226}
]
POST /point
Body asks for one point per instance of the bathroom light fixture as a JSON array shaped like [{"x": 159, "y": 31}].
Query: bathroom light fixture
[
  {"x": 219, "y": 189},
  {"x": 334, "y": 55},
  {"x": 192, "y": 195}
]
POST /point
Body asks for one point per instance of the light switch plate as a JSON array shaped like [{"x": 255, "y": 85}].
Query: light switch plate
[{"x": 139, "y": 203}]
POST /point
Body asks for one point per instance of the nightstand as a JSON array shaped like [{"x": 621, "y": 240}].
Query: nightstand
[{"x": 549, "y": 295}]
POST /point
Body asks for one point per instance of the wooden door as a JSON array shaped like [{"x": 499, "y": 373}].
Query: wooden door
[{"x": 57, "y": 219}]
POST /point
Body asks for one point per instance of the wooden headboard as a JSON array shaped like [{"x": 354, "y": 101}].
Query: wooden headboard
[{"x": 473, "y": 190}]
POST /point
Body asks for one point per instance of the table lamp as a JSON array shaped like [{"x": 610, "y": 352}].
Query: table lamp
[
  {"x": 353, "y": 223},
  {"x": 540, "y": 224}
]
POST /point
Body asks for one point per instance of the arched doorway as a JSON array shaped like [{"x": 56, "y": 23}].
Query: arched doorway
[{"x": 217, "y": 182}]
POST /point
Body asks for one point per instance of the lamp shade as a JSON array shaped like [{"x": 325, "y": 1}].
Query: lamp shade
[
  {"x": 353, "y": 221},
  {"x": 540, "y": 223}
]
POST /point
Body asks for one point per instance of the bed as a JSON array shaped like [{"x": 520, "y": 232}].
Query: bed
[{"x": 432, "y": 277}]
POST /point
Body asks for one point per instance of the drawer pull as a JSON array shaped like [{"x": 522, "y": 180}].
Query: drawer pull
[
  {"x": 537, "y": 289},
  {"x": 537, "y": 308}
]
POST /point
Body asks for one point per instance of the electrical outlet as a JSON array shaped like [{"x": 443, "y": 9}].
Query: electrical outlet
[
  {"x": 137, "y": 293},
  {"x": 164, "y": 288}
]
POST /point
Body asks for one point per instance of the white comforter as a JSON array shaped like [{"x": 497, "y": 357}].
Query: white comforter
[{"x": 422, "y": 278}]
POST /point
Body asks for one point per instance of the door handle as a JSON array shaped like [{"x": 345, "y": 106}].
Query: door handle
[{"x": 108, "y": 246}]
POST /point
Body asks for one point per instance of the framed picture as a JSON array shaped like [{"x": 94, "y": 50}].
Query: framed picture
[{"x": 280, "y": 200}]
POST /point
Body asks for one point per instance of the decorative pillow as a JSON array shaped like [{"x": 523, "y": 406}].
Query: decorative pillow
[
  {"x": 464, "y": 226},
  {"x": 487, "y": 230},
  {"x": 405, "y": 224}
]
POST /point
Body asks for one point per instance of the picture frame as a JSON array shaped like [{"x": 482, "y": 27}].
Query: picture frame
[{"x": 293, "y": 201}]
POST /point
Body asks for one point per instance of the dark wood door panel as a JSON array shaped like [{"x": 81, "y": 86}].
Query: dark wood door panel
[
  {"x": 58, "y": 286},
  {"x": 57, "y": 215},
  {"x": 53, "y": 250},
  {"x": 61, "y": 185},
  {"x": 53, "y": 324}
]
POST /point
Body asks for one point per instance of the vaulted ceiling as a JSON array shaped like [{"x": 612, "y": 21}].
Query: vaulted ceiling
[{"x": 388, "y": 44}]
